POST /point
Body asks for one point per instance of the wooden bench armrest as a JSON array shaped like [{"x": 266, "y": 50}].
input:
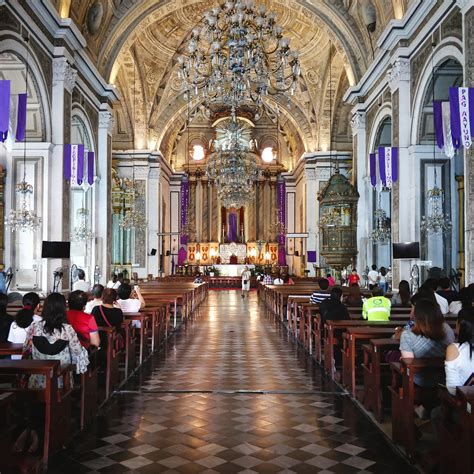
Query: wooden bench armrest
[{"x": 422, "y": 363}]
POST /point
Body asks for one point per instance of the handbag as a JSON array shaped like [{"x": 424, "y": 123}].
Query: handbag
[
  {"x": 245, "y": 282},
  {"x": 119, "y": 341}
]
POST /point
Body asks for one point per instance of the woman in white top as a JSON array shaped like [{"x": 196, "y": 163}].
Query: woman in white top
[
  {"x": 81, "y": 284},
  {"x": 245, "y": 281},
  {"x": 27, "y": 315},
  {"x": 459, "y": 363}
]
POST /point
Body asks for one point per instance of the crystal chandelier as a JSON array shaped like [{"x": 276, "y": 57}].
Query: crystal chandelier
[
  {"x": 435, "y": 222},
  {"x": 382, "y": 233},
  {"x": 133, "y": 218},
  {"x": 82, "y": 232},
  {"x": 23, "y": 219},
  {"x": 239, "y": 55}
]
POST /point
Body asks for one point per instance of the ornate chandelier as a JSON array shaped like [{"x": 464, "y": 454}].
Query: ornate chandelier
[
  {"x": 82, "y": 232},
  {"x": 435, "y": 222},
  {"x": 23, "y": 219},
  {"x": 239, "y": 55},
  {"x": 382, "y": 233}
]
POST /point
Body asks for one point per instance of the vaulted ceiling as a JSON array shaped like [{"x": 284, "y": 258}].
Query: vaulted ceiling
[{"x": 138, "y": 42}]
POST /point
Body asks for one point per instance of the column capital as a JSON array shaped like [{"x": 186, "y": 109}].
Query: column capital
[
  {"x": 358, "y": 122},
  {"x": 64, "y": 73},
  {"x": 398, "y": 73},
  {"x": 464, "y": 5},
  {"x": 141, "y": 172},
  {"x": 106, "y": 120},
  {"x": 310, "y": 174}
]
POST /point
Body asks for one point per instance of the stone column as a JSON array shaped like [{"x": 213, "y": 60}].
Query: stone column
[
  {"x": 154, "y": 199},
  {"x": 103, "y": 210},
  {"x": 467, "y": 9},
  {"x": 214, "y": 214},
  {"x": 64, "y": 79},
  {"x": 362, "y": 183},
  {"x": 403, "y": 216},
  {"x": 205, "y": 211}
]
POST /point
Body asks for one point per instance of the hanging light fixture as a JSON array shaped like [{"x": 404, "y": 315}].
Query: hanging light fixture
[
  {"x": 239, "y": 55},
  {"x": 24, "y": 219},
  {"x": 436, "y": 222},
  {"x": 133, "y": 219},
  {"x": 382, "y": 234},
  {"x": 82, "y": 232}
]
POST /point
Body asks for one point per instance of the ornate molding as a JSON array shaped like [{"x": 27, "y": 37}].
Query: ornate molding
[
  {"x": 464, "y": 5},
  {"x": 63, "y": 73},
  {"x": 155, "y": 173},
  {"x": 310, "y": 174},
  {"x": 141, "y": 172},
  {"x": 106, "y": 120},
  {"x": 399, "y": 72},
  {"x": 358, "y": 122}
]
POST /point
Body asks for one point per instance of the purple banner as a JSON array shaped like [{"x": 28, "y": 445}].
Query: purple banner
[
  {"x": 394, "y": 164},
  {"x": 383, "y": 177},
  {"x": 67, "y": 162},
  {"x": 4, "y": 109},
  {"x": 281, "y": 197},
  {"x": 388, "y": 165},
  {"x": 438, "y": 122},
  {"x": 182, "y": 256},
  {"x": 311, "y": 256},
  {"x": 90, "y": 167},
  {"x": 455, "y": 119},
  {"x": 80, "y": 164},
  {"x": 373, "y": 169},
  {"x": 184, "y": 209},
  {"x": 232, "y": 234},
  {"x": 21, "y": 118}
]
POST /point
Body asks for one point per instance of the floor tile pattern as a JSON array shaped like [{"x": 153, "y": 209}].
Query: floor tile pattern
[{"x": 231, "y": 394}]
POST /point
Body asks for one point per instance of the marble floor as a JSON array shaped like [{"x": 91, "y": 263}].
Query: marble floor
[{"x": 231, "y": 393}]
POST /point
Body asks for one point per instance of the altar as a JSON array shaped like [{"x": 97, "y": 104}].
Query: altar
[
  {"x": 232, "y": 270},
  {"x": 237, "y": 251}
]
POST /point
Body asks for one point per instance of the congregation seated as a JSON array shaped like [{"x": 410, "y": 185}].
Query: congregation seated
[
  {"x": 446, "y": 292},
  {"x": 332, "y": 308},
  {"x": 354, "y": 297},
  {"x": 402, "y": 298},
  {"x": 278, "y": 280},
  {"x": 83, "y": 323},
  {"x": 130, "y": 301},
  {"x": 107, "y": 314},
  {"x": 267, "y": 279},
  {"x": 23, "y": 320},
  {"x": 376, "y": 308},
  {"x": 97, "y": 291},
  {"x": 115, "y": 281},
  {"x": 198, "y": 278},
  {"x": 320, "y": 295},
  {"x": 81, "y": 284},
  {"x": 330, "y": 279}
]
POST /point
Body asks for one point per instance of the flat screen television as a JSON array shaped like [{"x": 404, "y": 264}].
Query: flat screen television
[
  {"x": 408, "y": 250},
  {"x": 52, "y": 249}
]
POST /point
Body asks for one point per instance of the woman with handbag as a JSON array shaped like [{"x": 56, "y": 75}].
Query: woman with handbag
[{"x": 245, "y": 281}]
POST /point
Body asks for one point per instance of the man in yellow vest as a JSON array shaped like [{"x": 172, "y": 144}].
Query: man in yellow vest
[{"x": 376, "y": 308}]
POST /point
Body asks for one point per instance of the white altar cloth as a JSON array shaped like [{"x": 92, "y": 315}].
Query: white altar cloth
[{"x": 232, "y": 270}]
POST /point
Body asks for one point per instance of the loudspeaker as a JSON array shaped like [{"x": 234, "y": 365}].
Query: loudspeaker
[
  {"x": 297, "y": 254},
  {"x": 51, "y": 249},
  {"x": 152, "y": 252},
  {"x": 168, "y": 253}
]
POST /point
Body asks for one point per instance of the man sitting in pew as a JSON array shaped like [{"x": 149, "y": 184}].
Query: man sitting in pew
[
  {"x": 97, "y": 291},
  {"x": 318, "y": 297},
  {"x": 84, "y": 324},
  {"x": 332, "y": 308},
  {"x": 378, "y": 307}
]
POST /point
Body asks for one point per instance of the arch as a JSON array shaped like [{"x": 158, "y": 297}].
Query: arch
[
  {"x": 450, "y": 48},
  {"x": 78, "y": 111},
  {"x": 383, "y": 114},
  {"x": 17, "y": 47}
]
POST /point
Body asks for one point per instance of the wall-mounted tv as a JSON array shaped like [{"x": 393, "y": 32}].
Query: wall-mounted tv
[
  {"x": 407, "y": 250},
  {"x": 52, "y": 249}
]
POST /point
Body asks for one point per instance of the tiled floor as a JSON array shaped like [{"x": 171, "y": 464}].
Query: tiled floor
[{"x": 231, "y": 394}]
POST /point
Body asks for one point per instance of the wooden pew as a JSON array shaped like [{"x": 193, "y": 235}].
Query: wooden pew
[
  {"x": 130, "y": 354},
  {"x": 143, "y": 330},
  {"x": 56, "y": 400},
  {"x": 456, "y": 431},
  {"x": 353, "y": 337},
  {"x": 112, "y": 359},
  {"x": 9, "y": 348},
  {"x": 406, "y": 394},
  {"x": 377, "y": 374},
  {"x": 88, "y": 389}
]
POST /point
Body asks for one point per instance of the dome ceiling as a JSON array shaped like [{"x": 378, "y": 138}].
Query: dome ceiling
[{"x": 138, "y": 42}]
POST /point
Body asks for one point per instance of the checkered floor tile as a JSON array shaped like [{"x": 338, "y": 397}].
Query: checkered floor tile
[{"x": 230, "y": 394}]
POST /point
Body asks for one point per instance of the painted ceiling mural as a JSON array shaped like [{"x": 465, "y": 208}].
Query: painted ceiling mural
[{"x": 136, "y": 43}]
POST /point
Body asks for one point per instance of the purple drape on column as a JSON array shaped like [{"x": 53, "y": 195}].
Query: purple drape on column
[
  {"x": 80, "y": 164},
  {"x": 4, "y": 109},
  {"x": 232, "y": 234},
  {"x": 90, "y": 167},
  {"x": 281, "y": 196},
  {"x": 182, "y": 252},
  {"x": 21, "y": 118},
  {"x": 67, "y": 162}
]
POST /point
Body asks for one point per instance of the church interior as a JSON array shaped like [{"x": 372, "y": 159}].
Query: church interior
[{"x": 236, "y": 236}]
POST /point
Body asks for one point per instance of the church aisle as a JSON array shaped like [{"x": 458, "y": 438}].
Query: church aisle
[{"x": 231, "y": 394}]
